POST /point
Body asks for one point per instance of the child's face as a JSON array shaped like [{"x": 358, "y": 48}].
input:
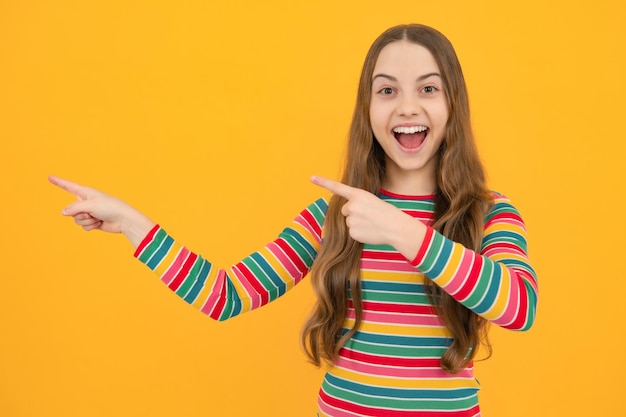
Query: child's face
[{"x": 408, "y": 111}]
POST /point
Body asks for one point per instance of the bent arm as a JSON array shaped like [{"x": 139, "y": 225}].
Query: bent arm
[
  {"x": 498, "y": 283},
  {"x": 255, "y": 281}
]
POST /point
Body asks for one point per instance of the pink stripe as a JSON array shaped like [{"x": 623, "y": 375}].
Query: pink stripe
[
  {"x": 173, "y": 269},
  {"x": 513, "y": 300},
  {"x": 217, "y": 290},
  {"x": 461, "y": 274},
  {"x": 507, "y": 250},
  {"x": 387, "y": 266},
  {"x": 302, "y": 221},
  {"x": 253, "y": 295},
  {"x": 284, "y": 260},
  {"x": 334, "y": 412},
  {"x": 400, "y": 372},
  {"x": 395, "y": 318},
  {"x": 528, "y": 277}
]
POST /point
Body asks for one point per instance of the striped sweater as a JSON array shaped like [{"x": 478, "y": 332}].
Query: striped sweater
[{"x": 391, "y": 366}]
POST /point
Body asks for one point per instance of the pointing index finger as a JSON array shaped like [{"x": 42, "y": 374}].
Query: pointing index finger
[
  {"x": 334, "y": 187},
  {"x": 69, "y": 186}
]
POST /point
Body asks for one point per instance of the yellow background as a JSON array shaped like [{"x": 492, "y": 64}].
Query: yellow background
[{"x": 210, "y": 117}]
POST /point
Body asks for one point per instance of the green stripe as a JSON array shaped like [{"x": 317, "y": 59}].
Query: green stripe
[
  {"x": 190, "y": 279},
  {"x": 259, "y": 274},
  {"x": 396, "y": 351},
  {"x": 506, "y": 236},
  {"x": 380, "y": 248},
  {"x": 396, "y": 297},
  {"x": 233, "y": 305},
  {"x": 293, "y": 240},
  {"x": 420, "y": 205},
  {"x": 399, "y": 403},
  {"x": 433, "y": 253},
  {"x": 149, "y": 250},
  {"x": 318, "y": 210},
  {"x": 480, "y": 290},
  {"x": 499, "y": 208}
]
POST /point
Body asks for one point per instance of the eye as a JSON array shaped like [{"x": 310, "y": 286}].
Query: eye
[
  {"x": 429, "y": 89},
  {"x": 386, "y": 91}
]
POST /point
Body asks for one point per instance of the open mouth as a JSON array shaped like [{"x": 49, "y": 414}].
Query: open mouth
[{"x": 410, "y": 137}]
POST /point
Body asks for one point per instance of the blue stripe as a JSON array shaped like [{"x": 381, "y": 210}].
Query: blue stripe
[
  {"x": 234, "y": 301},
  {"x": 504, "y": 206},
  {"x": 492, "y": 290},
  {"x": 445, "y": 249},
  {"x": 199, "y": 284},
  {"x": 321, "y": 205},
  {"x": 160, "y": 253},
  {"x": 507, "y": 236},
  {"x": 399, "y": 392},
  {"x": 401, "y": 340},
  {"x": 392, "y": 287},
  {"x": 515, "y": 263},
  {"x": 279, "y": 284},
  {"x": 190, "y": 279},
  {"x": 292, "y": 236}
]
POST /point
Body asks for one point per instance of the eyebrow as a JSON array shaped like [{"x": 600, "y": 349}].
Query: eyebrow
[{"x": 420, "y": 78}]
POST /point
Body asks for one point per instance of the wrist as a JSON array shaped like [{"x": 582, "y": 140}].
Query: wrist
[
  {"x": 408, "y": 235},
  {"x": 135, "y": 227}
]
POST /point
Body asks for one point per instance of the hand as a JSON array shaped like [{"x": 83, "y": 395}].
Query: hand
[
  {"x": 369, "y": 219},
  {"x": 96, "y": 210},
  {"x": 373, "y": 221}
]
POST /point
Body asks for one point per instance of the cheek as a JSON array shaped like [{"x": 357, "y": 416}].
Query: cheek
[
  {"x": 378, "y": 119},
  {"x": 375, "y": 124},
  {"x": 442, "y": 119},
  {"x": 444, "y": 114}
]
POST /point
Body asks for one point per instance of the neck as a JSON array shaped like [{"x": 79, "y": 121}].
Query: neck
[{"x": 398, "y": 181}]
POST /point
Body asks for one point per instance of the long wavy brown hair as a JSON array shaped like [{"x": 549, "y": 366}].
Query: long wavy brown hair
[{"x": 461, "y": 203}]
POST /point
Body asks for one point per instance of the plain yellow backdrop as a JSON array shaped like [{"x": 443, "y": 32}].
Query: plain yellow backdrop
[{"x": 210, "y": 117}]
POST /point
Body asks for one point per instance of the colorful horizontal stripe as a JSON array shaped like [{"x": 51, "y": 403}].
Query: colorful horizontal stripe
[
  {"x": 498, "y": 283},
  {"x": 391, "y": 366}
]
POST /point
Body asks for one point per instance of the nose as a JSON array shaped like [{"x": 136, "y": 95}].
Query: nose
[{"x": 409, "y": 105}]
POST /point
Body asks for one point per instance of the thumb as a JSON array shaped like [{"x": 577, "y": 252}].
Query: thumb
[{"x": 81, "y": 206}]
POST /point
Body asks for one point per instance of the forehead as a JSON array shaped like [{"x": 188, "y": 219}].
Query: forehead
[{"x": 405, "y": 57}]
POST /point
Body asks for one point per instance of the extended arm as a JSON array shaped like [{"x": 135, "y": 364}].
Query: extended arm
[{"x": 220, "y": 293}]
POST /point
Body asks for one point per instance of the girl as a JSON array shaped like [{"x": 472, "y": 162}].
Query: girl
[{"x": 417, "y": 255}]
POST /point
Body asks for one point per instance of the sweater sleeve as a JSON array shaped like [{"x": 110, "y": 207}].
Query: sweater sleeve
[
  {"x": 498, "y": 283},
  {"x": 255, "y": 281}
]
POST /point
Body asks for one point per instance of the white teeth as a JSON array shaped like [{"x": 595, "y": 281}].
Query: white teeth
[{"x": 409, "y": 130}]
